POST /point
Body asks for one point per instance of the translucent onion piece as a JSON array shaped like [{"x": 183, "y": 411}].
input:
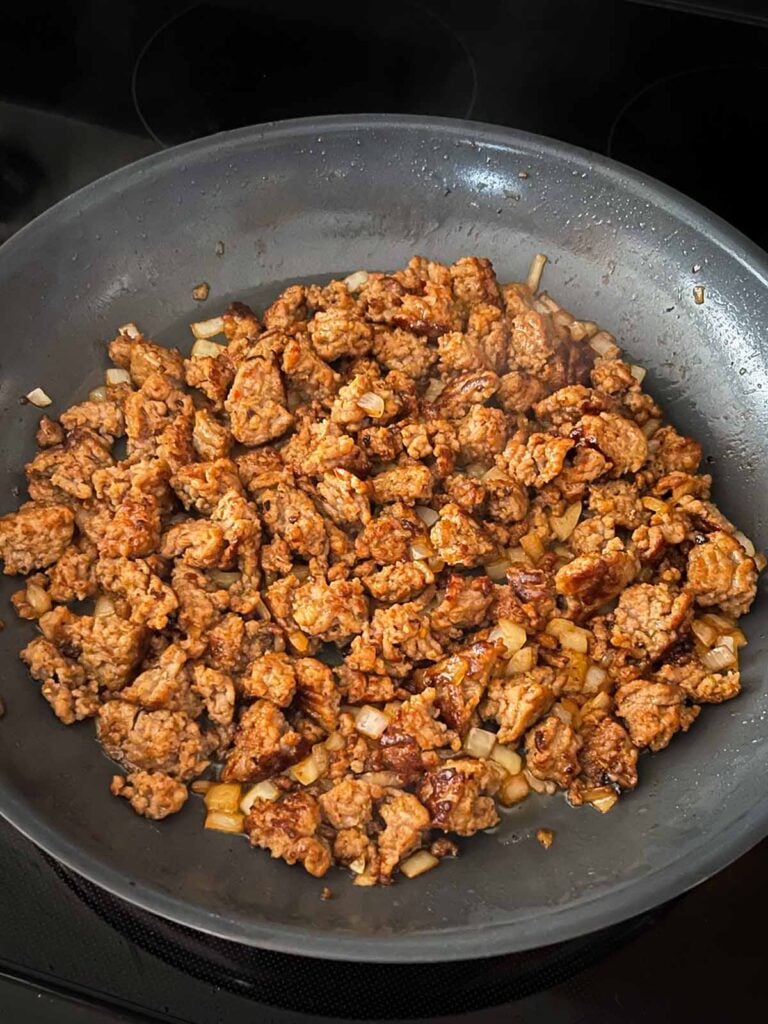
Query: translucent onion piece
[
  {"x": 476, "y": 470},
  {"x": 39, "y": 398},
  {"x": 538, "y": 263},
  {"x": 720, "y": 657},
  {"x": 307, "y": 771},
  {"x": 203, "y": 347},
  {"x": 523, "y": 661},
  {"x": 371, "y": 722},
  {"x": 511, "y": 635},
  {"x": 514, "y": 789},
  {"x": 654, "y": 504},
  {"x": 498, "y": 570},
  {"x": 299, "y": 641},
  {"x": 221, "y": 821},
  {"x": 421, "y": 549},
  {"x": 98, "y": 394},
  {"x": 104, "y": 606},
  {"x": 116, "y": 375},
  {"x": 564, "y": 525},
  {"x": 417, "y": 864},
  {"x": 594, "y": 679},
  {"x": 225, "y": 579},
  {"x": 130, "y": 331},
  {"x": 532, "y": 545},
  {"x": 479, "y": 742},
  {"x": 604, "y": 344},
  {"x": 372, "y": 403},
  {"x": 539, "y": 785},
  {"x": 745, "y": 542},
  {"x": 517, "y": 554},
  {"x": 562, "y": 713},
  {"x": 265, "y": 790},
  {"x": 224, "y": 796},
  {"x": 574, "y": 638},
  {"x": 508, "y": 758},
  {"x": 704, "y": 632},
  {"x": 335, "y": 741},
  {"x": 638, "y": 372},
  {"x": 208, "y": 328},
  {"x": 650, "y": 428},
  {"x": 356, "y": 281},
  {"x": 201, "y": 291},
  {"x": 201, "y": 786},
  {"x": 38, "y": 599},
  {"x": 427, "y": 515}
]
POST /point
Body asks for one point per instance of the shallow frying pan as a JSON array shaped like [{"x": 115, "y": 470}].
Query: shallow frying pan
[{"x": 312, "y": 198}]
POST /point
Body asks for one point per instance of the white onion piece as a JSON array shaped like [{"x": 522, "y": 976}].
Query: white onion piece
[
  {"x": 514, "y": 789},
  {"x": 427, "y": 515},
  {"x": 356, "y": 281},
  {"x": 745, "y": 542},
  {"x": 225, "y": 579},
  {"x": 203, "y": 347},
  {"x": 221, "y": 821},
  {"x": 604, "y": 344},
  {"x": 564, "y": 525},
  {"x": 371, "y": 722},
  {"x": 523, "y": 661},
  {"x": 104, "y": 606},
  {"x": 533, "y": 546},
  {"x": 116, "y": 375},
  {"x": 538, "y": 263},
  {"x": 720, "y": 657},
  {"x": 207, "y": 328},
  {"x": 307, "y": 771},
  {"x": 704, "y": 632},
  {"x": 638, "y": 372},
  {"x": 594, "y": 678},
  {"x": 129, "y": 330},
  {"x": 508, "y": 758},
  {"x": 39, "y": 398},
  {"x": 421, "y": 549},
  {"x": 38, "y": 599},
  {"x": 335, "y": 741},
  {"x": 265, "y": 790},
  {"x": 479, "y": 742},
  {"x": 650, "y": 427},
  {"x": 420, "y": 862},
  {"x": 98, "y": 394},
  {"x": 498, "y": 570},
  {"x": 573, "y": 638},
  {"x": 372, "y": 403},
  {"x": 511, "y": 635}
]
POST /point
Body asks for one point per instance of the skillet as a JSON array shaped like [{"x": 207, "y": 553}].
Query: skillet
[{"x": 312, "y": 198}]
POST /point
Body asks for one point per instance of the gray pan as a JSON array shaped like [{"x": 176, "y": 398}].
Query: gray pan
[{"x": 313, "y": 198}]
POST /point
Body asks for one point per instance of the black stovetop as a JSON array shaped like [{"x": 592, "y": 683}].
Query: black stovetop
[{"x": 676, "y": 89}]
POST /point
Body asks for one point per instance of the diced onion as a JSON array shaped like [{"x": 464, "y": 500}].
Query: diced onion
[
  {"x": 546, "y": 837},
  {"x": 605, "y": 803},
  {"x": 221, "y": 821},
  {"x": 745, "y": 542},
  {"x": 574, "y": 638},
  {"x": 265, "y": 790},
  {"x": 720, "y": 657},
  {"x": 564, "y": 525},
  {"x": 38, "y": 599},
  {"x": 335, "y": 741},
  {"x": 476, "y": 470},
  {"x": 539, "y": 785},
  {"x": 479, "y": 742},
  {"x": 356, "y": 281},
  {"x": 427, "y": 515},
  {"x": 224, "y": 796},
  {"x": 650, "y": 427},
  {"x": 523, "y": 661},
  {"x": 130, "y": 330},
  {"x": 299, "y": 641},
  {"x": 421, "y": 549},
  {"x": 698, "y": 294},
  {"x": 760, "y": 561},
  {"x": 581, "y": 329},
  {"x": 562, "y": 713},
  {"x": 638, "y": 372},
  {"x": 39, "y": 398},
  {"x": 307, "y": 771},
  {"x": 392, "y": 707},
  {"x": 594, "y": 679},
  {"x": 602, "y": 798},
  {"x": 98, "y": 394},
  {"x": 203, "y": 347},
  {"x": 538, "y": 263},
  {"x": 116, "y": 375},
  {"x": 201, "y": 291},
  {"x": 207, "y": 328},
  {"x": 433, "y": 389},
  {"x": 201, "y": 786},
  {"x": 508, "y": 758},
  {"x": 494, "y": 473},
  {"x": 511, "y": 635},
  {"x": 532, "y": 545},
  {"x": 417, "y": 864},
  {"x": 436, "y": 564},
  {"x": 372, "y": 403},
  {"x": 517, "y": 554},
  {"x": 654, "y": 504},
  {"x": 514, "y": 789},
  {"x": 604, "y": 344},
  {"x": 357, "y": 867},
  {"x": 704, "y": 632},
  {"x": 103, "y": 606},
  {"x": 371, "y": 722},
  {"x": 498, "y": 570},
  {"x": 225, "y": 579}
]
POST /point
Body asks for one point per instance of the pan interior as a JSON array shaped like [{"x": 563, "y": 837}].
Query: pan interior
[{"x": 309, "y": 200}]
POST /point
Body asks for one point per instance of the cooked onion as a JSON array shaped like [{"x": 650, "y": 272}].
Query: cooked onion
[
  {"x": 104, "y": 606},
  {"x": 299, "y": 641},
  {"x": 201, "y": 291},
  {"x": 38, "y": 397},
  {"x": 497, "y": 570},
  {"x": 583, "y": 329},
  {"x": 511, "y": 635},
  {"x": 514, "y": 789},
  {"x": 722, "y": 656},
  {"x": 203, "y": 347},
  {"x": 420, "y": 862},
  {"x": 427, "y": 515},
  {"x": 604, "y": 344},
  {"x": 538, "y": 263},
  {"x": 654, "y": 504},
  {"x": 539, "y": 785},
  {"x": 224, "y": 796},
  {"x": 98, "y": 394},
  {"x": 221, "y": 821},
  {"x": 129, "y": 330},
  {"x": 201, "y": 786},
  {"x": 574, "y": 638},
  {"x": 307, "y": 771},
  {"x": 594, "y": 679},
  {"x": 265, "y": 790},
  {"x": 517, "y": 554},
  {"x": 602, "y": 798},
  {"x": 704, "y": 632},
  {"x": 562, "y": 713},
  {"x": 356, "y": 281},
  {"x": 532, "y": 545},
  {"x": 650, "y": 427},
  {"x": 225, "y": 579},
  {"x": 371, "y": 722},
  {"x": 564, "y": 525},
  {"x": 745, "y": 542},
  {"x": 698, "y": 294},
  {"x": 207, "y": 328},
  {"x": 476, "y": 470},
  {"x": 116, "y": 375},
  {"x": 335, "y": 741},
  {"x": 421, "y": 549},
  {"x": 508, "y": 758},
  {"x": 479, "y": 742},
  {"x": 523, "y": 661},
  {"x": 433, "y": 389},
  {"x": 38, "y": 599},
  {"x": 638, "y": 372},
  {"x": 372, "y": 403}
]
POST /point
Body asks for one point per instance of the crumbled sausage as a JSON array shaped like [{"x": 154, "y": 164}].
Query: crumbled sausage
[
  {"x": 721, "y": 573},
  {"x": 152, "y": 794},
  {"x": 654, "y": 712}
]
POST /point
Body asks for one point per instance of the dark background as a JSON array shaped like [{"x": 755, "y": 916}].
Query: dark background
[{"x": 676, "y": 89}]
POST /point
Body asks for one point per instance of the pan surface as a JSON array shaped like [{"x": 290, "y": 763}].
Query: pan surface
[{"x": 314, "y": 198}]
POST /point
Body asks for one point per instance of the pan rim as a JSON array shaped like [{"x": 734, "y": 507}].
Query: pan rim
[{"x": 733, "y": 839}]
